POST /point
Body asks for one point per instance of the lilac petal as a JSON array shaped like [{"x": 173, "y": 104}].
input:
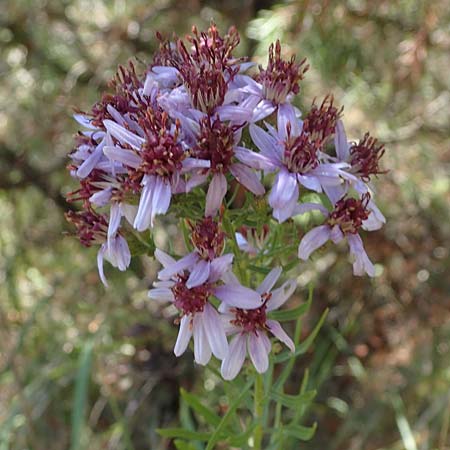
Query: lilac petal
[
  {"x": 115, "y": 115},
  {"x": 375, "y": 220},
  {"x": 161, "y": 198},
  {"x": 232, "y": 363},
  {"x": 164, "y": 284},
  {"x": 161, "y": 294},
  {"x": 258, "y": 352},
  {"x": 129, "y": 212},
  {"x": 264, "y": 109},
  {"x": 194, "y": 163},
  {"x": 202, "y": 350},
  {"x": 123, "y": 135},
  {"x": 336, "y": 234},
  {"x": 184, "y": 335},
  {"x": 247, "y": 178},
  {"x": 196, "y": 180},
  {"x": 265, "y": 142},
  {"x": 335, "y": 193},
  {"x": 100, "y": 257},
  {"x": 252, "y": 159},
  {"x": 234, "y": 114},
  {"x": 280, "y": 295},
  {"x": 101, "y": 198},
  {"x": 307, "y": 207},
  {"x": 144, "y": 214},
  {"x": 270, "y": 280},
  {"x": 199, "y": 274},
  {"x": 114, "y": 219},
  {"x": 165, "y": 259},
  {"x": 238, "y": 296},
  {"x": 285, "y": 115},
  {"x": 215, "y": 332},
  {"x": 126, "y": 157},
  {"x": 312, "y": 240},
  {"x": 84, "y": 121},
  {"x": 282, "y": 213},
  {"x": 216, "y": 192},
  {"x": 266, "y": 342},
  {"x": 276, "y": 329},
  {"x": 219, "y": 266},
  {"x": 311, "y": 182},
  {"x": 283, "y": 189},
  {"x": 244, "y": 245},
  {"x": 362, "y": 263},
  {"x": 91, "y": 161},
  {"x": 118, "y": 253},
  {"x": 341, "y": 143},
  {"x": 189, "y": 260},
  {"x": 229, "y": 278}
]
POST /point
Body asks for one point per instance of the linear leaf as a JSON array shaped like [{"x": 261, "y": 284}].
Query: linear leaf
[
  {"x": 293, "y": 401},
  {"x": 81, "y": 393},
  {"x": 300, "y": 432},
  {"x": 210, "y": 416},
  {"x": 183, "y": 434},
  {"x": 304, "y": 346},
  {"x": 289, "y": 314}
]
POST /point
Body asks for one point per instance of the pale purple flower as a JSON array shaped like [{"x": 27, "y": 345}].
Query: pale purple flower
[
  {"x": 199, "y": 319},
  {"x": 348, "y": 216},
  {"x": 293, "y": 152},
  {"x": 250, "y": 327}
]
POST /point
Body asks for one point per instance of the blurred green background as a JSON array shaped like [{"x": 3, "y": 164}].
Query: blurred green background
[{"x": 85, "y": 367}]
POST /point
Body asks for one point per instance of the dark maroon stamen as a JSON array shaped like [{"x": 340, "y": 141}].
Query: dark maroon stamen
[
  {"x": 365, "y": 157},
  {"x": 301, "y": 152},
  {"x": 321, "y": 120},
  {"x": 281, "y": 77},
  {"x": 215, "y": 143},
  {"x": 252, "y": 320},
  {"x": 207, "y": 68},
  {"x": 193, "y": 300},
  {"x": 161, "y": 152},
  {"x": 350, "y": 213},
  {"x": 91, "y": 227},
  {"x": 208, "y": 238}
]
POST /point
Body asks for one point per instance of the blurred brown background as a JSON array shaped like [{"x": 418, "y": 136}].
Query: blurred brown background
[{"x": 81, "y": 367}]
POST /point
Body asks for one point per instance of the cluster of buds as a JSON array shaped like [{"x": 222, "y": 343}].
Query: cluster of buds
[{"x": 198, "y": 119}]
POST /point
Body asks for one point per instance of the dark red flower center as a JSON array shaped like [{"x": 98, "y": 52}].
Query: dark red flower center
[
  {"x": 350, "y": 213},
  {"x": 190, "y": 301},
  {"x": 215, "y": 144},
  {"x": 91, "y": 227},
  {"x": 281, "y": 77},
  {"x": 208, "y": 238},
  {"x": 365, "y": 157},
  {"x": 252, "y": 320}
]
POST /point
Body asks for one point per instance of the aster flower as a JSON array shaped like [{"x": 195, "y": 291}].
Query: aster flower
[
  {"x": 347, "y": 217},
  {"x": 155, "y": 159},
  {"x": 217, "y": 143},
  {"x": 251, "y": 327},
  {"x": 294, "y": 152},
  {"x": 274, "y": 86},
  {"x": 92, "y": 228},
  {"x": 199, "y": 319}
]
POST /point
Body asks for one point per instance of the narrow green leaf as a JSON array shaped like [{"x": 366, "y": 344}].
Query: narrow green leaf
[
  {"x": 182, "y": 445},
  {"x": 210, "y": 416},
  {"x": 81, "y": 393},
  {"x": 289, "y": 314},
  {"x": 304, "y": 346},
  {"x": 181, "y": 433},
  {"x": 293, "y": 401},
  {"x": 300, "y": 432},
  {"x": 216, "y": 435}
]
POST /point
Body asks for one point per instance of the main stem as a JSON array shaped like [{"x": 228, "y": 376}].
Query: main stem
[{"x": 258, "y": 412}]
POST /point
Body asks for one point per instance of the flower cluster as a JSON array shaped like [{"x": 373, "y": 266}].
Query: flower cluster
[{"x": 200, "y": 120}]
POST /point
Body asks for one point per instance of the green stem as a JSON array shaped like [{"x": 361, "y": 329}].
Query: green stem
[{"x": 258, "y": 412}]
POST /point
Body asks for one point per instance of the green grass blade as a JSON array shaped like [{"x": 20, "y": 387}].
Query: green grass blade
[{"x": 81, "y": 394}]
